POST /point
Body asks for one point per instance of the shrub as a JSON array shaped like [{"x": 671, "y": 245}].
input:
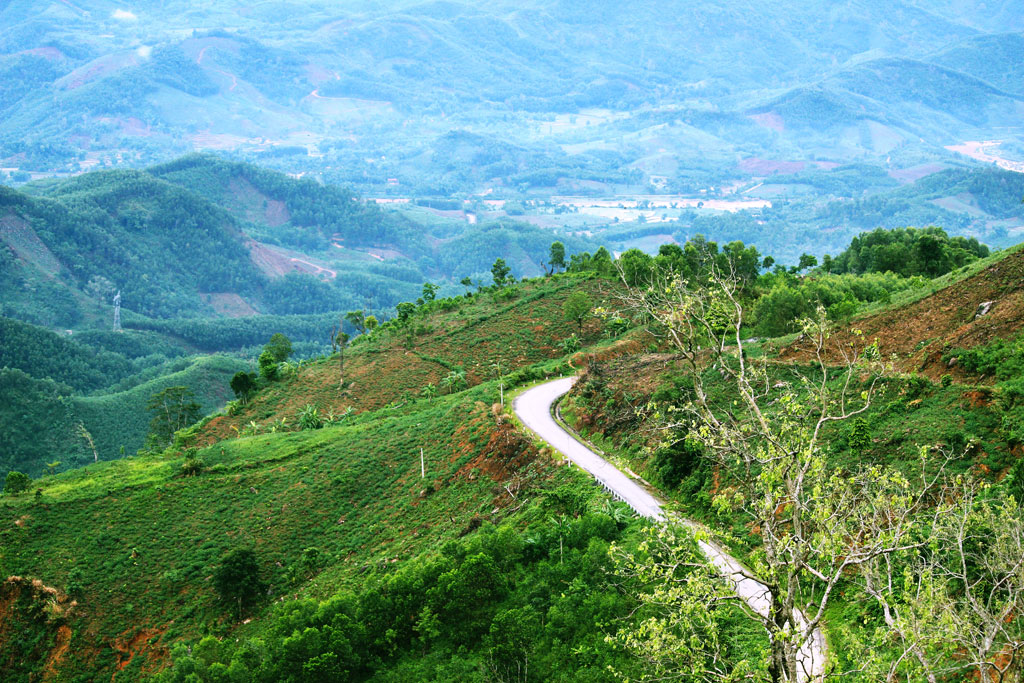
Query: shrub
[
  {"x": 237, "y": 579},
  {"x": 16, "y": 483},
  {"x": 309, "y": 417},
  {"x": 193, "y": 465}
]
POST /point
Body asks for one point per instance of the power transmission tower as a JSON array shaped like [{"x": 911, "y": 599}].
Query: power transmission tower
[{"x": 117, "y": 311}]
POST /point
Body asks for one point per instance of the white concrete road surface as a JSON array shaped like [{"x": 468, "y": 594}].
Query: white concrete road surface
[{"x": 533, "y": 407}]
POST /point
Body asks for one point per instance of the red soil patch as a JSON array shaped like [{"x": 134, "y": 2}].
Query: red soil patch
[
  {"x": 624, "y": 347},
  {"x": 918, "y": 334},
  {"x": 136, "y": 645},
  {"x": 769, "y": 120},
  {"x": 277, "y": 262},
  {"x": 229, "y": 305},
  {"x": 60, "y": 649},
  {"x": 47, "y": 52},
  {"x": 758, "y": 166}
]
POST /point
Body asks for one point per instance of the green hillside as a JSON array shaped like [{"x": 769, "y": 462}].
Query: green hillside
[
  {"x": 363, "y": 557},
  {"x": 181, "y": 242},
  {"x": 119, "y": 421},
  {"x": 995, "y": 59}
]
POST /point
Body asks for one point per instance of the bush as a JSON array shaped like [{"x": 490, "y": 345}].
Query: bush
[
  {"x": 16, "y": 483},
  {"x": 193, "y": 465},
  {"x": 268, "y": 366},
  {"x": 309, "y": 418},
  {"x": 237, "y": 579}
]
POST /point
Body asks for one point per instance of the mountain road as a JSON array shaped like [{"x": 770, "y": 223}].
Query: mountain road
[{"x": 534, "y": 409}]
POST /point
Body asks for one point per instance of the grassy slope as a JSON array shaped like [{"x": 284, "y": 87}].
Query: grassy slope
[
  {"x": 136, "y": 543},
  {"x": 121, "y": 419},
  {"x": 146, "y": 540},
  {"x": 383, "y": 369}
]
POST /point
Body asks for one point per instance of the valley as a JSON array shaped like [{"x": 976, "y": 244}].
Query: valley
[{"x": 511, "y": 342}]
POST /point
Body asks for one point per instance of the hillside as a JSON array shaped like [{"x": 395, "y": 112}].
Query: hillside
[
  {"x": 393, "y": 368},
  {"x": 954, "y": 314},
  {"x": 341, "y": 508},
  {"x": 362, "y": 541},
  {"x": 203, "y": 237}
]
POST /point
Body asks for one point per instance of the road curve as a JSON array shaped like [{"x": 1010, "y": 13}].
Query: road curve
[{"x": 533, "y": 408}]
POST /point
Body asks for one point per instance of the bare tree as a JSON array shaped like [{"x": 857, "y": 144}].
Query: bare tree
[
  {"x": 764, "y": 438},
  {"x": 339, "y": 340},
  {"x": 955, "y": 603}
]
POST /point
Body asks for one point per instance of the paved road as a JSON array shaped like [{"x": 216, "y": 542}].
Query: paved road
[{"x": 533, "y": 407}]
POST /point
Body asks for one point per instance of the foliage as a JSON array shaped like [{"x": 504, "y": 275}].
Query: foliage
[
  {"x": 37, "y": 421},
  {"x": 119, "y": 422},
  {"x": 244, "y": 385},
  {"x": 279, "y": 347},
  {"x": 687, "y": 643},
  {"x": 500, "y": 272},
  {"x": 46, "y": 355},
  {"x": 556, "y": 257},
  {"x": 483, "y": 606},
  {"x": 173, "y": 408},
  {"x": 16, "y": 482},
  {"x": 309, "y": 418},
  {"x": 929, "y": 252},
  {"x": 577, "y": 308},
  {"x": 814, "y": 525},
  {"x": 237, "y": 580}
]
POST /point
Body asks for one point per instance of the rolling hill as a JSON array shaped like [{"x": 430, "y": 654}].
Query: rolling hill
[
  {"x": 301, "y": 86},
  {"x": 354, "y": 531},
  {"x": 204, "y": 237}
]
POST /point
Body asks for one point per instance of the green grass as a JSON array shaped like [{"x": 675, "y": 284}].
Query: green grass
[
  {"x": 142, "y": 537},
  {"x": 121, "y": 420}
]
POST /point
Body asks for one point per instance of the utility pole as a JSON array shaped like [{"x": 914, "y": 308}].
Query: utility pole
[{"x": 423, "y": 467}]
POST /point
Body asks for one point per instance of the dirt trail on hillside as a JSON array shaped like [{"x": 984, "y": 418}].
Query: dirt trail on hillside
[{"x": 919, "y": 333}]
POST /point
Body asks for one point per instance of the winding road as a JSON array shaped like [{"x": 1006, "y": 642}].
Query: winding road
[{"x": 533, "y": 408}]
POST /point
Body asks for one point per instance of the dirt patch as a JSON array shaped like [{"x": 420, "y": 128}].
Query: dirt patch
[
  {"x": 761, "y": 167},
  {"x": 277, "y": 262},
  {"x": 229, "y": 305},
  {"x": 769, "y": 120},
  {"x": 136, "y": 645},
  {"x": 918, "y": 334},
  {"x": 624, "y": 347},
  {"x": 16, "y": 233},
  {"x": 256, "y": 206},
  {"x": 57, "y": 654}
]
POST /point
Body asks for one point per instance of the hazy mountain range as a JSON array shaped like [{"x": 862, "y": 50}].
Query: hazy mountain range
[{"x": 370, "y": 89}]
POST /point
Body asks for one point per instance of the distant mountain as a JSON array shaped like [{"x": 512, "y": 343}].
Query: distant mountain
[
  {"x": 991, "y": 15},
  {"x": 347, "y": 90},
  {"x": 203, "y": 237},
  {"x": 996, "y": 59}
]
